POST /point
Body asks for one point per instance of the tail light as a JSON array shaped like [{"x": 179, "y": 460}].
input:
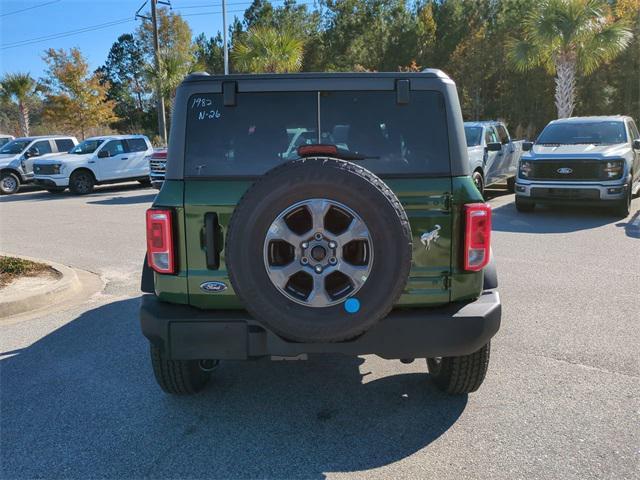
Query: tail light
[
  {"x": 160, "y": 246},
  {"x": 477, "y": 239}
]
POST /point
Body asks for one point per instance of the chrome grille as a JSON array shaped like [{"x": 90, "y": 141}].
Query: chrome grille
[{"x": 157, "y": 166}]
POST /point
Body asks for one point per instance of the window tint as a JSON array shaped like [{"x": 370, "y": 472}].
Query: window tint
[
  {"x": 43, "y": 147},
  {"x": 249, "y": 138},
  {"x": 473, "y": 135},
  {"x": 634, "y": 130},
  {"x": 64, "y": 144},
  {"x": 14, "y": 146},
  {"x": 265, "y": 129},
  {"x": 4, "y": 141},
  {"x": 502, "y": 134},
  {"x": 136, "y": 144},
  {"x": 490, "y": 135},
  {"x": 574, "y": 133},
  {"x": 114, "y": 147},
  {"x": 408, "y": 138}
]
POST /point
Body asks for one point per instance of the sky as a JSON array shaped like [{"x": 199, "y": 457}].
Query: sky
[{"x": 31, "y": 20}]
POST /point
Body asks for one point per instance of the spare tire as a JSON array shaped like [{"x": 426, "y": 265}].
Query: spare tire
[{"x": 318, "y": 250}]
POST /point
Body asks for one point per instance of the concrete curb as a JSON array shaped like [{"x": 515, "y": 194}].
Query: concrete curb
[{"x": 65, "y": 287}]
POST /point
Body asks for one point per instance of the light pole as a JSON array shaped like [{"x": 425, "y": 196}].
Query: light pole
[
  {"x": 224, "y": 37},
  {"x": 162, "y": 122}
]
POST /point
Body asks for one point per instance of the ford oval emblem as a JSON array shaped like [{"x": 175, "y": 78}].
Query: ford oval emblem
[
  {"x": 565, "y": 171},
  {"x": 213, "y": 287}
]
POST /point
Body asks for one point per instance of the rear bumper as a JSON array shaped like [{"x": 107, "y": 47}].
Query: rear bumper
[{"x": 185, "y": 332}]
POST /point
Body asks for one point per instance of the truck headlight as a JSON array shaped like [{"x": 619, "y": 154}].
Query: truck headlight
[
  {"x": 613, "y": 169},
  {"x": 56, "y": 168},
  {"x": 525, "y": 168}
]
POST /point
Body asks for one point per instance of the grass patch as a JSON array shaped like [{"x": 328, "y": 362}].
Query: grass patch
[{"x": 12, "y": 268}]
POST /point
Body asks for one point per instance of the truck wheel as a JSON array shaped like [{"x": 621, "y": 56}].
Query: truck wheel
[
  {"x": 524, "y": 206},
  {"x": 9, "y": 183},
  {"x": 319, "y": 250},
  {"x": 478, "y": 181},
  {"x": 462, "y": 374},
  {"x": 145, "y": 182},
  {"x": 180, "y": 377},
  {"x": 511, "y": 184},
  {"x": 623, "y": 207},
  {"x": 81, "y": 183}
]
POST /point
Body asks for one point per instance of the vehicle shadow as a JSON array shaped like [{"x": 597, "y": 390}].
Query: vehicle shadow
[
  {"x": 37, "y": 194},
  {"x": 549, "y": 219},
  {"x": 82, "y": 403},
  {"x": 632, "y": 227},
  {"x": 125, "y": 200}
]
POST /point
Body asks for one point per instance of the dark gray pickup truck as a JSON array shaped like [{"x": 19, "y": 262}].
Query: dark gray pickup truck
[{"x": 582, "y": 161}]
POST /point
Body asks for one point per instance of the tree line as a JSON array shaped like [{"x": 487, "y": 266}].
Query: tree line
[{"x": 520, "y": 61}]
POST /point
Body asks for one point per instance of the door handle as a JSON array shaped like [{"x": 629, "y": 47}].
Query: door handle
[{"x": 124, "y": 158}]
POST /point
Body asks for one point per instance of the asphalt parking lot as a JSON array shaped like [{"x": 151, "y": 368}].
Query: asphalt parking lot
[{"x": 561, "y": 400}]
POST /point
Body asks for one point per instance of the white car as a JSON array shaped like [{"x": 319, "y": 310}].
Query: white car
[
  {"x": 96, "y": 161},
  {"x": 4, "y": 139},
  {"x": 18, "y": 156}
]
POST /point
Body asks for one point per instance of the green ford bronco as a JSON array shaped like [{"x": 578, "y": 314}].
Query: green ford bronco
[{"x": 318, "y": 213}]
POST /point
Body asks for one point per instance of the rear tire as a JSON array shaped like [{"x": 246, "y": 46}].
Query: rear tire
[
  {"x": 462, "y": 374},
  {"x": 524, "y": 206},
  {"x": 146, "y": 182},
  {"x": 81, "y": 183},
  {"x": 9, "y": 183},
  {"x": 511, "y": 184},
  {"x": 478, "y": 181},
  {"x": 178, "y": 377}
]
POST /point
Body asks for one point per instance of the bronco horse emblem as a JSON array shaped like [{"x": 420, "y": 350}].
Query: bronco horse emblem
[{"x": 432, "y": 236}]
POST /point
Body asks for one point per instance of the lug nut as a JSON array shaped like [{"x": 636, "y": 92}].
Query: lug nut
[
  {"x": 305, "y": 245},
  {"x": 318, "y": 236},
  {"x": 304, "y": 260},
  {"x": 333, "y": 260},
  {"x": 318, "y": 269},
  {"x": 332, "y": 244}
]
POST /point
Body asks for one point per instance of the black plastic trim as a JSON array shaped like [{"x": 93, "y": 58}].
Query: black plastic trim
[
  {"x": 189, "y": 333},
  {"x": 147, "y": 284}
]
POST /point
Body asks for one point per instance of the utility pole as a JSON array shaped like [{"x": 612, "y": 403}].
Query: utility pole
[
  {"x": 162, "y": 121},
  {"x": 224, "y": 37}
]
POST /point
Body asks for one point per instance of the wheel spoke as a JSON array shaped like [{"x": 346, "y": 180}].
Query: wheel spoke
[
  {"x": 281, "y": 275},
  {"x": 279, "y": 230},
  {"x": 356, "y": 230},
  {"x": 318, "y": 296},
  {"x": 318, "y": 210},
  {"x": 356, "y": 273}
]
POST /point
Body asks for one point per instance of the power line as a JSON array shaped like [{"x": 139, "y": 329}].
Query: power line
[
  {"x": 29, "y": 8},
  {"x": 69, "y": 33},
  {"x": 101, "y": 26}
]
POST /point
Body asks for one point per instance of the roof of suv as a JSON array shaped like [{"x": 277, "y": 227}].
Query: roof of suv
[
  {"x": 426, "y": 73},
  {"x": 44, "y": 137},
  {"x": 601, "y": 118},
  {"x": 115, "y": 137}
]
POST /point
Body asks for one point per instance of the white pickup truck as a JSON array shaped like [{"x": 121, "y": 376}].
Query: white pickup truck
[
  {"x": 96, "y": 161},
  {"x": 493, "y": 155}
]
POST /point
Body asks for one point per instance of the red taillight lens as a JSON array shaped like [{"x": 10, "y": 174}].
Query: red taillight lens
[
  {"x": 477, "y": 239},
  {"x": 160, "y": 254}
]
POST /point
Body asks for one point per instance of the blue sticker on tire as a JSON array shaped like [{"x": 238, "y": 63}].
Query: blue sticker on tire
[{"x": 352, "y": 305}]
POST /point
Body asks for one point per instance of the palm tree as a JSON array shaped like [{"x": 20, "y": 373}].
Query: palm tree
[
  {"x": 174, "y": 66},
  {"x": 19, "y": 88},
  {"x": 268, "y": 50},
  {"x": 567, "y": 36}
]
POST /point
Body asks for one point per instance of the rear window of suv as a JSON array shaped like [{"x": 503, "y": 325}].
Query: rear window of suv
[{"x": 264, "y": 129}]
